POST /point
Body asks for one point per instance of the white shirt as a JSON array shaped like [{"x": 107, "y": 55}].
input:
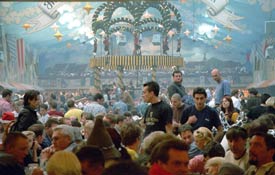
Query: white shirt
[{"x": 236, "y": 102}]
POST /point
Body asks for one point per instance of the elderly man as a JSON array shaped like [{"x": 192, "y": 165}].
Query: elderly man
[
  {"x": 169, "y": 157},
  {"x": 178, "y": 107},
  {"x": 62, "y": 139},
  {"x": 222, "y": 88}
]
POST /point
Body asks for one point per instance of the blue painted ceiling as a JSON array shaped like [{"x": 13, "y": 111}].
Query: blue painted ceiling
[{"x": 74, "y": 24}]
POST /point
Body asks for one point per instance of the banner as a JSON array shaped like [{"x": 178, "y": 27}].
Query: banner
[
  {"x": 48, "y": 16},
  {"x": 20, "y": 47},
  {"x": 216, "y": 10}
]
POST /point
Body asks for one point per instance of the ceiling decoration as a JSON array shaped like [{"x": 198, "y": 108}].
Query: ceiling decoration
[{"x": 197, "y": 23}]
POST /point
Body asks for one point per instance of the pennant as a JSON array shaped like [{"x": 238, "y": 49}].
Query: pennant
[
  {"x": 20, "y": 46},
  {"x": 216, "y": 10},
  {"x": 48, "y": 16}
]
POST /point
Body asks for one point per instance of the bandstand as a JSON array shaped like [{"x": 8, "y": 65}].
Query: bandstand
[{"x": 166, "y": 26}]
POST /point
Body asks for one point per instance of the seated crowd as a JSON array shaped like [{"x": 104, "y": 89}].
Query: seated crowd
[{"x": 92, "y": 139}]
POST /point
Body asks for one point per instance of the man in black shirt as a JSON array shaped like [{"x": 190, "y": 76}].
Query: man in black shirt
[{"x": 158, "y": 116}]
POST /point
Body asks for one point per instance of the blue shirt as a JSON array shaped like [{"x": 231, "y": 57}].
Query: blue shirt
[
  {"x": 222, "y": 89},
  {"x": 208, "y": 117}
]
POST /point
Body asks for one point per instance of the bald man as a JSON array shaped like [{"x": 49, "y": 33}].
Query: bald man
[{"x": 222, "y": 88}]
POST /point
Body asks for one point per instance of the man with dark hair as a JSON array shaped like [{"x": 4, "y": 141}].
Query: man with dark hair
[
  {"x": 131, "y": 138},
  {"x": 261, "y": 152},
  {"x": 235, "y": 99},
  {"x": 201, "y": 115},
  {"x": 159, "y": 115},
  {"x": 258, "y": 110},
  {"x": 95, "y": 105},
  {"x": 125, "y": 168},
  {"x": 44, "y": 116},
  {"x": 16, "y": 144},
  {"x": 38, "y": 129},
  {"x": 49, "y": 125},
  {"x": 28, "y": 115},
  {"x": 53, "y": 112},
  {"x": 252, "y": 100},
  {"x": 91, "y": 159},
  {"x": 237, "y": 154},
  {"x": 186, "y": 134},
  {"x": 5, "y": 102},
  {"x": 176, "y": 86},
  {"x": 73, "y": 112},
  {"x": 169, "y": 157}
]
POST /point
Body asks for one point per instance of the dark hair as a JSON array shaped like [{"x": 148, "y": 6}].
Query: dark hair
[
  {"x": 176, "y": 72},
  {"x": 53, "y": 104},
  {"x": 6, "y": 92},
  {"x": 269, "y": 139},
  {"x": 30, "y": 95},
  {"x": 130, "y": 132},
  {"x": 236, "y": 132},
  {"x": 253, "y": 91},
  {"x": 51, "y": 121},
  {"x": 44, "y": 106},
  {"x": 70, "y": 104},
  {"x": 38, "y": 129},
  {"x": 125, "y": 168},
  {"x": 231, "y": 108},
  {"x": 199, "y": 90},
  {"x": 234, "y": 92},
  {"x": 11, "y": 139},
  {"x": 160, "y": 151},
  {"x": 120, "y": 118},
  {"x": 185, "y": 127},
  {"x": 92, "y": 154},
  {"x": 98, "y": 96},
  {"x": 9, "y": 165},
  {"x": 152, "y": 86},
  {"x": 75, "y": 123},
  {"x": 264, "y": 97},
  {"x": 89, "y": 116},
  {"x": 116, "y": 139},
  {"x": 261, "y": 124},
  {"x": 213, "y": 149}
]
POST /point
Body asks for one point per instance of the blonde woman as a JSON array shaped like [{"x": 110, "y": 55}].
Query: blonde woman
[
  {"x": 213, "y": 165},
  {"x": 204, "y": 140},
  {"x": 63, "y": 163},
  {"x": 33, "y": 147},
  {"x": 202, "y": 137}
]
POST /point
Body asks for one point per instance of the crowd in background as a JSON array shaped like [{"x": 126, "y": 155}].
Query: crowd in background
[{"x": 165, "y": 131}]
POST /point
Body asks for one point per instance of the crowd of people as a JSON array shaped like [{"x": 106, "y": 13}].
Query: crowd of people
[{"x": 173, "y": 133}]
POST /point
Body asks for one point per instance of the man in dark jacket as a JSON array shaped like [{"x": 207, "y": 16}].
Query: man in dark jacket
[
  {"x": 176, "y": 86},
  {"x": 28, "y": 115}
]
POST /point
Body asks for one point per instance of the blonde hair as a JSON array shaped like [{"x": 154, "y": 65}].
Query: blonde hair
[
  {"x": 29, "y": 133},
  {"x": 203, "y": 133},
  {"x": 215, "y": 161},
  {"x": 63, "y": 163},
  {"x": 88, "y": 127}
]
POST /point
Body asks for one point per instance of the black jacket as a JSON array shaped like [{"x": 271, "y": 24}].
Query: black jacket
[{"x": 26, "y": 118}]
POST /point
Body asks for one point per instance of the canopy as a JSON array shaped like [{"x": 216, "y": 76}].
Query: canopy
[{"x": 7, "y": 85}]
